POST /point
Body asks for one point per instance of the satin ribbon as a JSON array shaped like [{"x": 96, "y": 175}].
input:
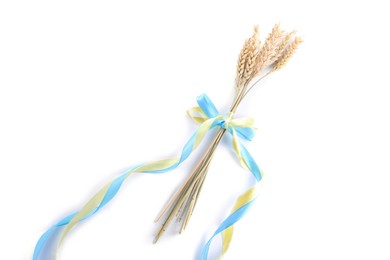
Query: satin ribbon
[{"x": 208, "y": 117}]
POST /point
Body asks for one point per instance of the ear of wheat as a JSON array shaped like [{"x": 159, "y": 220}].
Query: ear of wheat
[{"x": 254, "y": 63}]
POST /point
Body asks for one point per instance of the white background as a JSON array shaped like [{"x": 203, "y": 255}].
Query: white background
[{"x": 89, "y": 88}]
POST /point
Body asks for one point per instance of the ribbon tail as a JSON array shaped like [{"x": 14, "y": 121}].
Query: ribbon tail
[
  {"x": 243, "y": 202},
  {"x": 245, "y": 198},
  {"x": 108, "y": 191},
  {"x": 47, "y": 235},
  {"x": 228, "y": 222}
]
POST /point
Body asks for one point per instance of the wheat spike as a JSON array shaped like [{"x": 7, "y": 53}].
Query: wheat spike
[
  {"x": 269, "y": 49},
  {"x": 290, "y": 50},
  {"x": 242, "y": 62},
  {"x": 247, "y": 58},
  {"x": 254, "y": 44},
  {"x": 282, "y": 46}
]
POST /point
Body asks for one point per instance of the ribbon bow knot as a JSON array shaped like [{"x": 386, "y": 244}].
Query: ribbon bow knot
[
  {"x": 228, "y": 120},
  {"x": 243, "y": 126},
  {"x": 208, "y": 116}
]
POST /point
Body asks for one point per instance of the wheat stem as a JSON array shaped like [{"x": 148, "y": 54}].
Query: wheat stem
[{"x": 252, "y": 62}]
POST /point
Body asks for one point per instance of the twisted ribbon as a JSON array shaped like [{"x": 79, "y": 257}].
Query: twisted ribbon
[{"x": 208, "y": 117}]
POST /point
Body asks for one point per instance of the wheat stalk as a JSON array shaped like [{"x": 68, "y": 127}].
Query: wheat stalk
[{"x": 251, "y": 63}]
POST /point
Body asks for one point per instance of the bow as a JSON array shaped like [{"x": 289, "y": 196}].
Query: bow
[{"x": 238, "y": 128}]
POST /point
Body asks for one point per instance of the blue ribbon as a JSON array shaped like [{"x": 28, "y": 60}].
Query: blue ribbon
[{"x": 210, "y": 111}]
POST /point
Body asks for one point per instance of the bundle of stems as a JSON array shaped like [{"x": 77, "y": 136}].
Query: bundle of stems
[{"x": 255, "y": 62}]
